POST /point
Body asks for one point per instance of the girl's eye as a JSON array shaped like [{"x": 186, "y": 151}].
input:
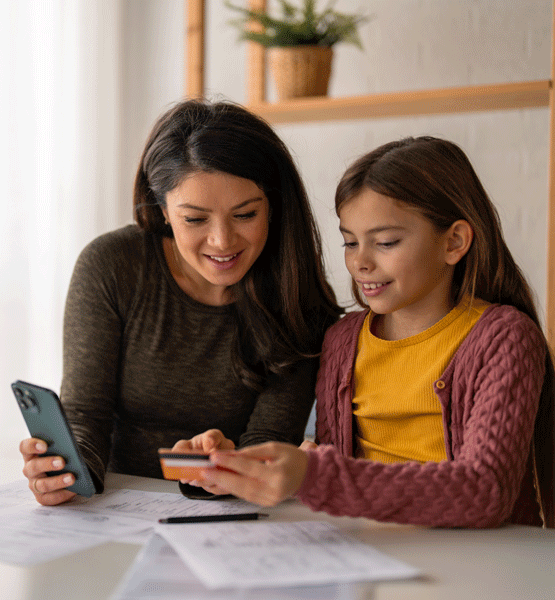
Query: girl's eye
[
  {"x": 350, "y": 244},
  {"x": 246, "y": 216},
  {"x": 194, "y": 220}
]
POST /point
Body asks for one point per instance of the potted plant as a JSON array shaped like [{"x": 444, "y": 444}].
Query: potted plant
[{"x": 299, "y": 43}]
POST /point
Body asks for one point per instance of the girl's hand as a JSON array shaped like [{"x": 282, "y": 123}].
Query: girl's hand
[
  {"x": 264, "y": 474},
  {"x": 206, "y": 442},
  {"x": 51, "y": 490}
]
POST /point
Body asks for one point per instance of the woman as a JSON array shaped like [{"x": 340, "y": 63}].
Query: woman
[{"x": 207, "y": 315}]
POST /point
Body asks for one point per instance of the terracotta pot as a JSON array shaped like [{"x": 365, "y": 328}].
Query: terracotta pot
[{"x": 300, "y": 70}]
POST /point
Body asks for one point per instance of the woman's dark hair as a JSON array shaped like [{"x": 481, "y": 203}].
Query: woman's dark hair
[
  {"x": 436, "y": 178},
  {"x": 284, "y": 303}
]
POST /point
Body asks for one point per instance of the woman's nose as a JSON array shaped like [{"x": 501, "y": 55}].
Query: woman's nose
[{"x": 221, "y": 236}]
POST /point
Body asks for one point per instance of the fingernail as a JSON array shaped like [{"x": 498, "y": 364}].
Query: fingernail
[
  {"x": 57, "y": 464},
  {"x": 40, "y": 447},
  {"x": 68, "y": 479}
]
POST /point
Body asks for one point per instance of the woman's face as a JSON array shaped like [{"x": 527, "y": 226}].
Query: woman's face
[{"x": 220, "y": 227}]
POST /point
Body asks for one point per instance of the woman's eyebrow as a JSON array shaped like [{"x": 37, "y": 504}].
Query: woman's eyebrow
[{"x": 202, "y": 209}]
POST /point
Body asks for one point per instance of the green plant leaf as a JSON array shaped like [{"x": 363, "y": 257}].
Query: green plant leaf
[{"x": 299, "y": 25}]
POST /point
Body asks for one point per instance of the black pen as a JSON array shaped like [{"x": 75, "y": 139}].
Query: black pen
[{"x": 212, "y": 518}]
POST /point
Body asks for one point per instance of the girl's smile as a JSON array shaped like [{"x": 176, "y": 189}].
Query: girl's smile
[{"x": 372, "y": 289}]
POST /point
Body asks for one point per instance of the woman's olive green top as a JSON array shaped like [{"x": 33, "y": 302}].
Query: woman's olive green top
[{"x": 145, "y": 365}]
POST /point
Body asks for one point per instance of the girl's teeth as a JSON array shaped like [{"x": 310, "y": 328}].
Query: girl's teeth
[
  {"x": 372, "y": 286},
  {"x": 220, "y": 259}
]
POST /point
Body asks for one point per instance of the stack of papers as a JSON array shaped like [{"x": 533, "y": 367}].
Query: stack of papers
[
  {"x": 251, "y": 560},
  {"x": 271, "y": 554},
  {"x": 159, "y": 573},
  {"x": 32, "y": 534}
]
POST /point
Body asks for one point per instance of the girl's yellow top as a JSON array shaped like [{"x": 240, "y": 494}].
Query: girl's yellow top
[{"x": 398, "y": 416}]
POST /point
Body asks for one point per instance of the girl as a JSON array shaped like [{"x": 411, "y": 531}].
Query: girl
[
  {"x": 209, "y": 314},
  {"x": 435, "y": 403}
]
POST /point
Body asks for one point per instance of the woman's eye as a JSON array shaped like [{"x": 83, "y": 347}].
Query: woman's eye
[
  {"x": 349, "y": 244},
  {"x": 246, "y": 216},
  {"x": 194, "y": 220},
  {"x": 388, "y": 244}
]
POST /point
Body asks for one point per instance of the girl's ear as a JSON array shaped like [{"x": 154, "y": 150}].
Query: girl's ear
[{"x": 458, "y": 241}]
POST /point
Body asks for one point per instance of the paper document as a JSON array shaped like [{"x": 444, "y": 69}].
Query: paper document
[
  {"x": 152, "y": 506},
  {"x": 30, "y": 533},
  {"x": 273, "y": 554},
  {"x": 16, "y": 494},
  {"x": 159, "y": 573}
]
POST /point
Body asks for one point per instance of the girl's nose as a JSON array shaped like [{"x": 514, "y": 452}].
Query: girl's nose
[{"x": 363, "y": 262}]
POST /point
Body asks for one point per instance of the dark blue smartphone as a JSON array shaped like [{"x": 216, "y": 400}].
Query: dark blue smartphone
[{"x": 45, "y": 418}]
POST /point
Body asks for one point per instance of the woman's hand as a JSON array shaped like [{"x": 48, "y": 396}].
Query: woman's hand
[
  {"x": 206, "y": 442},
  {"x": 213, "y": 439},
  {"x": 264, "y": 474},
  {"x": 51, "y": 490}
]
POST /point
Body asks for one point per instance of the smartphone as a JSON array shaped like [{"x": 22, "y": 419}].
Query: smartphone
[
  {"x": 180, "y": 465},
  {"x": 45, "y": 418}
]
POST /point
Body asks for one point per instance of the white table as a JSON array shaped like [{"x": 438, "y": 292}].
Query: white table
[{"x": 513, "y": 562}]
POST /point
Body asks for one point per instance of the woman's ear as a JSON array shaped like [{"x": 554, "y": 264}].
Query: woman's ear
[{"x": 458, "y": 241}]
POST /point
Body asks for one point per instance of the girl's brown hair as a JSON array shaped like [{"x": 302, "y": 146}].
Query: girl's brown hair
[
  {"x": 284, "y": 303},
  {"x": 435, "y": 177}
]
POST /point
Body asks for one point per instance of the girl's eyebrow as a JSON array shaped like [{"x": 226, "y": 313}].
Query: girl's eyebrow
[
  {"x": 374, "y": 229},
  {"x": 202, "y": 209}
]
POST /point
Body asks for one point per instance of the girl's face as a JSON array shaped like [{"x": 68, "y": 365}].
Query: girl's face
[
  {"x": 220, "y": 226},
  {"x": 398, "y": 260}
]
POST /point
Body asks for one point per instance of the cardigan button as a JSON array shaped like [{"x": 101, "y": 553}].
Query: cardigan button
[{"x": 440, "y": 384}]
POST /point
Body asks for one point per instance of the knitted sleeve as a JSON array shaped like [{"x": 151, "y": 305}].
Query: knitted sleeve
[{"x": 499, "y": 378}]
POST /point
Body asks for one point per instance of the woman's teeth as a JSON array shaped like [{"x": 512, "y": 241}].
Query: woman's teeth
[{"x": 223, "y": 259}]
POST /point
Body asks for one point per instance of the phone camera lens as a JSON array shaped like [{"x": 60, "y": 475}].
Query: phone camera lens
[
  {"x": 29, "y": 399},
  {"x": 21, "y": 398}
]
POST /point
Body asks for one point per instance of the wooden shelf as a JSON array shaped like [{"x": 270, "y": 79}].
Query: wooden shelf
[{"x": 530, "y": 94}]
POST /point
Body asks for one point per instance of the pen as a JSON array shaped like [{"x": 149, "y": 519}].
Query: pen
[{"x": 212, "y": 518}]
